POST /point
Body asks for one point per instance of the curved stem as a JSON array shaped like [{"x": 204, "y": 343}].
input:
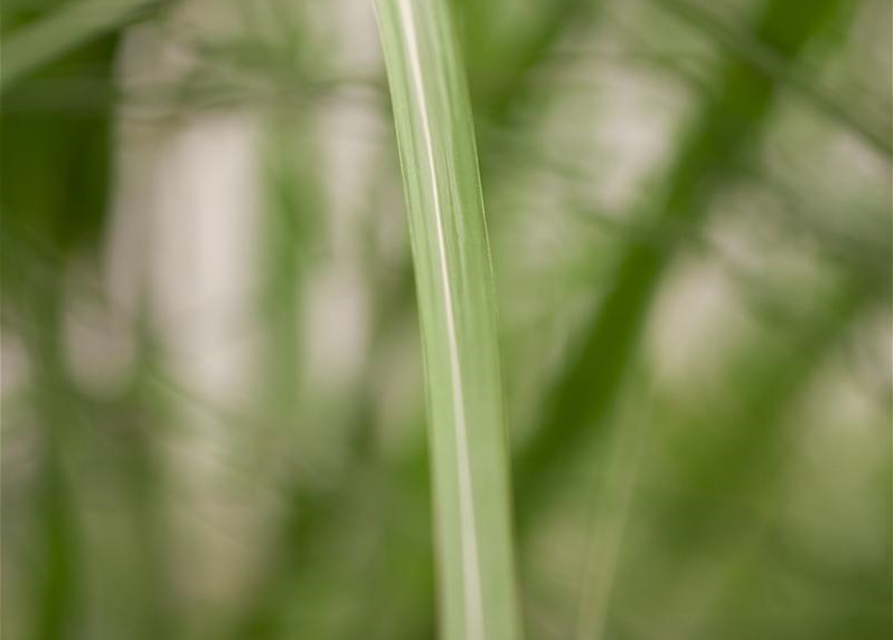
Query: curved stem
[{"x": 451, "y": 259}]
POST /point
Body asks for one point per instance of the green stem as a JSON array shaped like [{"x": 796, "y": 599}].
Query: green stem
[
  {"x": 728, "y": 127},
  {"x": 435, "y": 131}
]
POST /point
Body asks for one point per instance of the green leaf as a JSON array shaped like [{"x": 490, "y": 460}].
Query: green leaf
[
  {"x": 727, "y": 129},
  {"x": 764, "y": 58},
  {"x": 435, "y": 131},
  {"x": 32, "y": 46}
]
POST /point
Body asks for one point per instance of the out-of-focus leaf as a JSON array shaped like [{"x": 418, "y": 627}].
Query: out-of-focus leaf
[
  {"x": 769, "y": 62},
  {"x": 580, "y": 399},
  {"x": 47, "y": 38}
]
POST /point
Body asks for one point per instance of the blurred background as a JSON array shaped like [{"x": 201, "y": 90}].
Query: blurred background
[{"x": 213, "y": 421}]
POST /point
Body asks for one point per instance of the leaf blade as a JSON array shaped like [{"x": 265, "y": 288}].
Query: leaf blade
[{"x": 458, "y": 318}]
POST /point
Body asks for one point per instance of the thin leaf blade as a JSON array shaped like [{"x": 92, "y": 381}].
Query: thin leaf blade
[{"x": 456, "y": 303}]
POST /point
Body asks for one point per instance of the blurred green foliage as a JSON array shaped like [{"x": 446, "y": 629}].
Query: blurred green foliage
[{"x": 690, "y": 214}]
